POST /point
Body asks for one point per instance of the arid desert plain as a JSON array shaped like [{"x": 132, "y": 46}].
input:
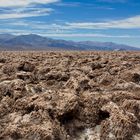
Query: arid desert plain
[{"x": 69, "y": 95}]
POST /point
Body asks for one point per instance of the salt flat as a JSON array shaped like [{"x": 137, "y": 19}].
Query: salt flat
[{"x": 69, "y": 95}]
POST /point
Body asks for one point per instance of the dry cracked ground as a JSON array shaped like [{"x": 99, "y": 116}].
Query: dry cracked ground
[{"x": 69, "y": 95}]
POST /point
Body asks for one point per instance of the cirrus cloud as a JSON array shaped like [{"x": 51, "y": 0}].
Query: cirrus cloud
[
  {"x": 127, "y": 23},
  {"x": 25, "y": 12},
  {"x": 21, "y": 3},
  {"x": 15, "y": 9}
]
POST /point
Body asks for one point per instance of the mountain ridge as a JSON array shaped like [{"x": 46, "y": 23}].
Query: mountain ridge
[{"x": 37, "y": 42}]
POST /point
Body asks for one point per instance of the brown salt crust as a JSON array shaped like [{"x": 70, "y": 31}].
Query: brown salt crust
[{"x": 69, "y": 95}]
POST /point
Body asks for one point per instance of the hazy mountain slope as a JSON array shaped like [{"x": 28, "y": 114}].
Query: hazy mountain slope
[
  {"x": 38, "y": 42},
  {"x": 106, "y": 46},
  {"x": 32, "y": 41},
  {"x": 5, "y": 37}
]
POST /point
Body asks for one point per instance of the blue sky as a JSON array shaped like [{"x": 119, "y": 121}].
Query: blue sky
[{"x": 96, "y": 20}]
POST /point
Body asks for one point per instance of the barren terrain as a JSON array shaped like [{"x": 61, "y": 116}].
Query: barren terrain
[{"x": 69, "y": 95}]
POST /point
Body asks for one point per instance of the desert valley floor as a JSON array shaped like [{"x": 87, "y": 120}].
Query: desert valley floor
[{"x": 69, "y": 95}]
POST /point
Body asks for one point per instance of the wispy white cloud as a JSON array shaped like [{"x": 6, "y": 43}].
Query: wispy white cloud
[
  {"x": 91, "y": 35},
  {"x": 14, "y": 31},
  {"x": 24, "y": 12},
  {"x": 21, "y": 3},
  {"x": 67, "y": 35},
  {"x": 12, "y": 9},
  {"x": 128, "y": 23}
]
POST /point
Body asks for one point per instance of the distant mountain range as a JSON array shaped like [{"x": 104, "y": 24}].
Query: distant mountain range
[{"x": 36, "y": 42}]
